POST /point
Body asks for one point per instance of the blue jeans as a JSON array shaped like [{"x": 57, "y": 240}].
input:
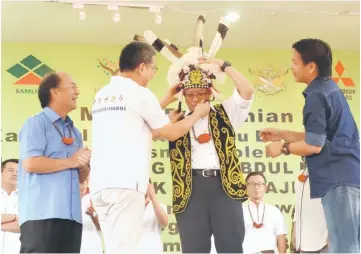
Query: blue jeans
[{"x": 341, "y": 206}]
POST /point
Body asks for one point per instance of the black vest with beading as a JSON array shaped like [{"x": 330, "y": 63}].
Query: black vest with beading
[{"x": 224, "y": 138}]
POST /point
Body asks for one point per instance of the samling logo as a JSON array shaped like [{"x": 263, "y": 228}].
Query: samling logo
[{"x": 29, "y": 71}]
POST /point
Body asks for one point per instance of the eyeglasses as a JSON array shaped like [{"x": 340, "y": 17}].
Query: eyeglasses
[
  {"x": 155, "y": 69},
  {"x": 198, "y": 95},
  {"x": 256, "y": 184}
]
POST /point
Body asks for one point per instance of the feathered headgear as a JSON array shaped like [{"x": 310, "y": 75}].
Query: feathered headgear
[{"x": 185, "y": 68}]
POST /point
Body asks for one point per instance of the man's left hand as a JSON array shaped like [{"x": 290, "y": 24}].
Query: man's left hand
[{"x": 274, "y": 149}]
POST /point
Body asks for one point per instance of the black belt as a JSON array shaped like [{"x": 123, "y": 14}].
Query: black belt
[{"x": 206, "y": 172}]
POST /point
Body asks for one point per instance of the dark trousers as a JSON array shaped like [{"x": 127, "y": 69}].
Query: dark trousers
[
  {"x": 211, "y": 211},
  {"x": 50, "y": 236}
]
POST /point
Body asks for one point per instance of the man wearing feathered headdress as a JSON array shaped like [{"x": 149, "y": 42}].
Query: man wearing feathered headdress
[{"x": 208, "y": 184}]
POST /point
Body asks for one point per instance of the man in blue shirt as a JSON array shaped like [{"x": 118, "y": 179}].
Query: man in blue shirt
[
  {"x": 52, "y": 163},
  {"x": 330, "y": 143}
]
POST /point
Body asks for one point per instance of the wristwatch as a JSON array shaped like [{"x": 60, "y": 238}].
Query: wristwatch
[
  {"x": 225, "y": 65},
  {"x": 286, "y": 149}
]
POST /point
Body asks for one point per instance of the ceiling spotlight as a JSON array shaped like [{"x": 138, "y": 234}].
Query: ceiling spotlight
[
  {"x": 82, "y": 15},
  {"x": 116, "y": 17},
  {"x": 232, "y": 17},
  {"x": 158, "y": 19}
]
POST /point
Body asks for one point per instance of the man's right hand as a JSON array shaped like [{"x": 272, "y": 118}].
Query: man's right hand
[
  {"x": 270, "y": 134},
  {"x": 202, "y": 109}
]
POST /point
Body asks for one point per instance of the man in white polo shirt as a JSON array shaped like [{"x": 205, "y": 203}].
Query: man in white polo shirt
[
  {"x": 265, "y": 226},
  {"x": 310, "y": 228},
  {"x": 10, "y": 230},
  {"x": 125, "y": 114}
]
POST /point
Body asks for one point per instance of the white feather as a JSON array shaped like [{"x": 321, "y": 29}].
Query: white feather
[
  {"x": 217, "y": 40},
  {"x": 191, "y": 57},
  {"x": 151, "y": 37}
]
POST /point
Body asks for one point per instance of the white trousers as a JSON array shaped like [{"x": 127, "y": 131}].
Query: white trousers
[{"x": 120, "y": 213}]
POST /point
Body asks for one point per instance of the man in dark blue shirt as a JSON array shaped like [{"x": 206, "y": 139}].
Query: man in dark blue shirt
[{"x": 330, "y": 143}]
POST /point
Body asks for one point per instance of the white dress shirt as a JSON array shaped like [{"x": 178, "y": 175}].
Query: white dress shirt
[
  {"x": 151, "y": 238},
  {"x": 90, "y": 241},
  {"x": 123, "y": 115},
  {"x": 204, "y": 156},
  {"x": 10, "y": 242},
  {"x": 311, "y": 227},
  {"x": 264, "y": 238}
]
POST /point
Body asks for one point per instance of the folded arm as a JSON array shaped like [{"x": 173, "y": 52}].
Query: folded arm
[
  {"x": 45, "y": 165},
  {"x": 10, "y": 226},
  {"x": 33, "y": 143},
  {"x": 6, "y": 218}
]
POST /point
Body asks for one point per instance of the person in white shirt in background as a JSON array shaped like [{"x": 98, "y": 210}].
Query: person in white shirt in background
[
  {"x": 155, "y": 219},
  {"x": 10, "y": 230},
  {"x": 125, "y": 116},
  {"x": 265, "y": 226},
  {"x": 310, "y": 233},
  {"x": 91, "y": 241}
]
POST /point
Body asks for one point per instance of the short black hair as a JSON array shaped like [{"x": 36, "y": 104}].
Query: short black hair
[
  {"x": 3, "y": 163},
  {"x": 50, "y": 81},
  {"x": 317, "y": 51},
  {"x": 255, "y": 174},
  {"x": 134, "y": 54}
]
